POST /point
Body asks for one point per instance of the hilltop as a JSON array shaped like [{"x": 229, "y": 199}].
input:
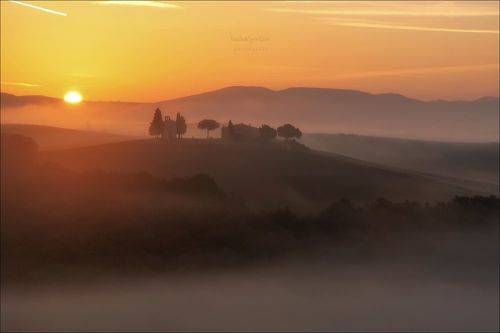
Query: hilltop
[{"x": 470, "y": 165}]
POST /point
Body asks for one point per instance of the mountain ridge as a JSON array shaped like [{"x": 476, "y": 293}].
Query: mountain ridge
[
  {"x": 264, "y": 90},
  {"x": 324, "y": 110}
]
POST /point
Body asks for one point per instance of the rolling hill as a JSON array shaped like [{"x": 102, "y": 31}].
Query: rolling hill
[
  {"x": 13, "y": 101},
  {"x": 312, "y": 109},
  {"x": 469, "y": 165},
  {"x": 472, "y": 161},
  {"x": 265, "y": 176},
  {"x": 49, "y": 137}
]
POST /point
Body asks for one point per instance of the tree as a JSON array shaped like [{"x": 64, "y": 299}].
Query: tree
[
  {"x": 157, "y": 126},
  {"x": 230, "y": 131},
  {"x": 267, "y": 132},
  {"x": 288, "y": 131},
  {"x": 180, "y": 124},
  {"x": 209, "y": 125},
  {"x": 230, "y": 128}
]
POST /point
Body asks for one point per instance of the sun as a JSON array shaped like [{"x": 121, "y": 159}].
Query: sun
[{"x": 73, "y": 97}]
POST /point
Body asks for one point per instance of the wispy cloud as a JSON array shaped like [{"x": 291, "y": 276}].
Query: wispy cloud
[
  {"x": 384, "y": 25},
  {"x": 420, "y": 71},
  {"x": 154, "y": 4},
  {"x": 19, "y": 84},
  {"x": 51, "y": 11},
  {"x": 365, "y": 14},
  {"x": 394, "y": 9}
]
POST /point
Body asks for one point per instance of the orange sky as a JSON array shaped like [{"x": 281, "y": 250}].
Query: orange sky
[{"x": 149, "y": 51}]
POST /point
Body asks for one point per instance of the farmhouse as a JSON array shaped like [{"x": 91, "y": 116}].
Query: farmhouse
[
  {"x": 169, "y": 129},
  {"x": 239, "y": 132}
]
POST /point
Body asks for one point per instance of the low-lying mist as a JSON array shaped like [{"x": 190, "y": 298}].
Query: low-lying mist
[
  {"x": 473, "y": 161},
  {"x": 110, "y": 250},
  {"x": 322, "y": 295}
]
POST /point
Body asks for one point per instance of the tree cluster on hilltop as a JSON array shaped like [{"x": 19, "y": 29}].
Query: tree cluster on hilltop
[
  {"x": 239, "y": 132},
  {"x": 167, "y": 128},
  {"x": 265, "y": 133},
  {"x": 289, "y": 131}
]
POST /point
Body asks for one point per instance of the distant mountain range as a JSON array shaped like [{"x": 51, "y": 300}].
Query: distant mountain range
[{"x": 312, "y": 109}]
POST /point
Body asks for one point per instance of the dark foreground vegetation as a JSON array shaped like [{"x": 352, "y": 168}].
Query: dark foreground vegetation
[
  {"x": 191, "y": 225},
  {"x": 57, "y": 221},
  {"x": 152, "y": 237}
]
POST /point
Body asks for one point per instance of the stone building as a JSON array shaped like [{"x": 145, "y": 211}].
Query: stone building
[
  {"x": 239, "y": 132},
  {"x": 169, "y": 129}
]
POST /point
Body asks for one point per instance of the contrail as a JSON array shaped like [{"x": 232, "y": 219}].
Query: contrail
[
  {"x": 21, "y": 84},
  {"x": 408, "y": 27},
  {"x": 39, "y": 8}
]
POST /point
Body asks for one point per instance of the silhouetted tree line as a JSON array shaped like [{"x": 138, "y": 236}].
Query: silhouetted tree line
[
  {"x": 159, "y": 126},
  {"x": 120, "y": 221},
  {"x": 197, "y": 185}
]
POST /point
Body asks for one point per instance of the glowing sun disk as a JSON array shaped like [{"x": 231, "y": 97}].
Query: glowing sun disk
[{"x": 73, "y": 97}]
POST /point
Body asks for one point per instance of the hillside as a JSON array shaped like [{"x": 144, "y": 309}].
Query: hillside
[
  {"x": 49, "y": 137},
  {"x": 312, "y": 109},
  {"x": 11, "y": 101},
  {"x": 451, "y": 161},
  {"x": 472, "y": 161},
  {"x": 265, "y": 176}
]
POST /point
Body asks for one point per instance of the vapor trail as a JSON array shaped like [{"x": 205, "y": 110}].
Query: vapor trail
[{"x": 39, "y": 8}]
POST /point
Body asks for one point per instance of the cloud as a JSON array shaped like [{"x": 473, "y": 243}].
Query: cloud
[
  {"x": 419, "y": 71},
  {"x": 406, "y": 9},
  {"x": 375, "y": 12},
  {"x": 154, "y": 4},
  {"x": 19, "y": 84},
  {"x": 357, "y": 15},
  {"x": 51, "y": 11},
  {"x": 384, "y": 25}
]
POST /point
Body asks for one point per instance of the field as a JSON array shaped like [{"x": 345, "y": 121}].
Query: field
[{"x": 467, "y": 161}]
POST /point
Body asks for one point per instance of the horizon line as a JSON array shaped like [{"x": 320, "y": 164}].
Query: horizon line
[{"x": 262, "y": 87}]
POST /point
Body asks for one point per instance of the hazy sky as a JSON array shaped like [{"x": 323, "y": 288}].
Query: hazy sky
[{"x": 149, "y": 51}]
